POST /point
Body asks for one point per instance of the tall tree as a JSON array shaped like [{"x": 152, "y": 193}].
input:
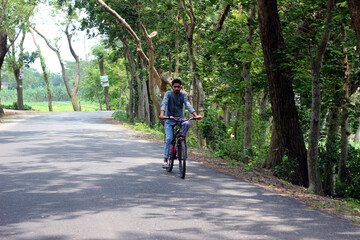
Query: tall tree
[
  {"x": 197, "y": 91},
  {"x": 140, "y": 51},
  {"x": 354, "y": 9},
  {"x": 286, "y": 122},
  {"x": 17, "y": 63},
  {"x": 45, "y": 73},
  {"x": 315, "y": 184},
  {"x": 8, "y": 23},
  {"x": 248, "y": 89},
  {"x": 71, "y": 93}
]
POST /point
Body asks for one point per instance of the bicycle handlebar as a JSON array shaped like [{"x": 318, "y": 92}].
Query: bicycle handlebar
[{"x": 180, "y": 119}]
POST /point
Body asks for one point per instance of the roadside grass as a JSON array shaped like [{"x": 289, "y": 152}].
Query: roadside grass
[
  {"x": 140, "y": 126},
  {"x": 352, "y": 206},
  {"x": 58, "y": 106}
]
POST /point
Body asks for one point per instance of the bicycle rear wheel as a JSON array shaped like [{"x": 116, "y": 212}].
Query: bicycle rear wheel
[
  {"x": 182, "y": 159},
  {"x": 171, "y": 158}
]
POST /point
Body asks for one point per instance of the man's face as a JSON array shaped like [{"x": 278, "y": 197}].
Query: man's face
[{"x": 176, "y": 88}]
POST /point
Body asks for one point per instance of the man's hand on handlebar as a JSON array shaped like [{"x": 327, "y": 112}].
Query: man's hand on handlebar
[{"x": 197, "y": 117}]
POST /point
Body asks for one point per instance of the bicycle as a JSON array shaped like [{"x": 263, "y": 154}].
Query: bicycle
[{"x": 178, "y": 147}]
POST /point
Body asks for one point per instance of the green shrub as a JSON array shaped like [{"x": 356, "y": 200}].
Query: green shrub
[
  {"x": 15, "y": 106},
  {"x": 120, "y": 115},
  {"x": 287, "y": 167},
  {"x": 350, "y": 188},
  {"x": 213, "y": 129}
]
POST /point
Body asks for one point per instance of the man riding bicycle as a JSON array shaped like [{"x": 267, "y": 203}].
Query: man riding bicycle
[{"x": 173, "y": 105}]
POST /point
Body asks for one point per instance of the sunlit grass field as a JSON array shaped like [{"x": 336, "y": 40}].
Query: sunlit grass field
[{"x": 59, "y": 106}]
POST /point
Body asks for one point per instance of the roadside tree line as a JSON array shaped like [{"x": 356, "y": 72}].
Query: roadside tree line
[{"x": 276, "y": 80}]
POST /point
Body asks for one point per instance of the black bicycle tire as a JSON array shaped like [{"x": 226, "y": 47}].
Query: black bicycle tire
[
  {"x": 171, "y": 160},
  {"x": 182, "y": 159}
]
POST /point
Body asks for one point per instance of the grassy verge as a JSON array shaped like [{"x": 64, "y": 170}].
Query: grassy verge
[{"x": 140, "y": 126}]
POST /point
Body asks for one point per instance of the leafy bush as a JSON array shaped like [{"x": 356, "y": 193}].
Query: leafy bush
[
  {"x": 120, "y": 115},
  {"x": 15, "y": 106},
  {"x": 287, "y": 167},
  {"x": 350, "y": 188},
  {"x": 213, "y": 129}
]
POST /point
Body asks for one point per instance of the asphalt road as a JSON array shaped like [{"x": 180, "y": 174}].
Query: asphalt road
[{"x": 74, "y": 176}]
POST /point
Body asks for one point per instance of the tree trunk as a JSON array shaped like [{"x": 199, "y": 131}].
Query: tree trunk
[
  {"x": 197, "y": 91},
  {"x": 177, "y": 61},
  {"x": 354, "y": 9},
  {"x": 282, "y": 96},
  {"x": 99, "y": 99},
  {"x": 2, "y": 113},
  {"x": 46, "y": 79},
  {"x": 3, "y": 51},
  {"x": 132, "y": 99},
  {"x": 140, "y": 51},
  {"x": 331, "y": 148},
  {"x": 344, "y": 144},
  {"x": 77, "y": 80},
  {"x": 19, "y": 89},
  {"x": 151, "y": 70},
  {"x": 17, "y": 64},
  {"x": 145, "y": 95},
  {"x": 223, "y": 17},
  {"x": 248, "y": 113},
  {"x": 133, "y": 69},
  {"x": 349, "y": 89},
  {"x": 357, "y": 135},
  {"x": 131, "y": 102},
  {"x": 247, "y": 153},
  {"x": 146, "y": 102},
  {"x": 276, "y": 151},
  {"x": 106, "y": 89},
  {"x": 73, "y": 97},
  {"x": 3, "y": 48},
  {"x": 262, "y": 111},
  {"x": 313, "y": 151}
]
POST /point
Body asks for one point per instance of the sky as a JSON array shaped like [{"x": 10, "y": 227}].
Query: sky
[{"x": 49, "y": 26}]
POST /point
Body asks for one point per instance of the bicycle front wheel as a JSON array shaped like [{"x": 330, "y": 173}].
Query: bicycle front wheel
[
  {"x": 182, "y": 159},
  {"x": 171, "y": 157}
]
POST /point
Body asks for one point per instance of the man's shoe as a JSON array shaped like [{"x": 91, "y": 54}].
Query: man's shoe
[{"x": 165, "y": 165}]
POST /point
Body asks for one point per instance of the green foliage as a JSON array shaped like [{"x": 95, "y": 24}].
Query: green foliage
[
  {"x": 120, "y": 115},
  {"x": 15, "y": 106},
  {"x": 57, "y": 106},
  {"x": 220, "y": 58},
  {"x": 39, "y": 94},
  {"x": 212, "y": 128},
  {"x": 286, "y": 169},
  {"x": 350, "y": 188},
  {"x": 156, "y": 130}
]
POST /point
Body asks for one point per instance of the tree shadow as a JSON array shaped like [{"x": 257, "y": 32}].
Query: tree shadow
[{"x": 55, "y": 177}]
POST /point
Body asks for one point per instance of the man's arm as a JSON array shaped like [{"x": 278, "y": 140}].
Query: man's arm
[
  {"x": 164, "y": 104},
  {"x": 190, "y": 108},
  {"x": 162, "y": 114}
]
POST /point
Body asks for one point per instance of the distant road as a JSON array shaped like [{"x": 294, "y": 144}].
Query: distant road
[{"x": 75, "y": 176}]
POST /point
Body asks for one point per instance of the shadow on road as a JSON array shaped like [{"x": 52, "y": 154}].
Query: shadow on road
[{"x": 66, "y": 175}]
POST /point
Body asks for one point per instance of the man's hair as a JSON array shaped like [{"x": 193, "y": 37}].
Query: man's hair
[{"x": 176, "y": 80}]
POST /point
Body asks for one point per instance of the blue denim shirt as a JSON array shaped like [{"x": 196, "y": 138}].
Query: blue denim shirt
[{"x": 174, "y": 105}]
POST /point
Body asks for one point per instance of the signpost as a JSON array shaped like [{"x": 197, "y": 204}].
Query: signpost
[
  {"x": 104, "y": 81},
  {"x": 21, "y": 74}
]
